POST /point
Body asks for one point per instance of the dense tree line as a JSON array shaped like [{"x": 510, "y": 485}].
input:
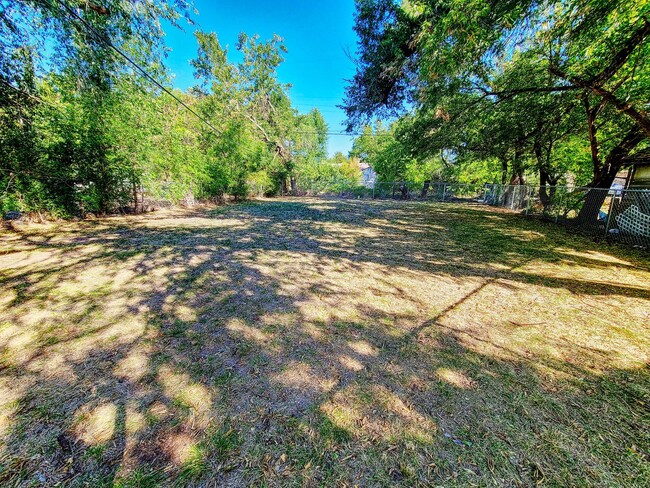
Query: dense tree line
[
  {"x": 516, "y": 91},
  {"x": 82, "y": 130}
]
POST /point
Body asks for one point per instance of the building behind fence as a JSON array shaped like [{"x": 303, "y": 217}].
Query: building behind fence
[{"x": 621, "y": 215}]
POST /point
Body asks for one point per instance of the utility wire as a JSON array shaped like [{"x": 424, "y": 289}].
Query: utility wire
[
  {"x": 104, "y": 39},
  {"x": 107, "y": 41},
  {"x": 28, "y": 95}
]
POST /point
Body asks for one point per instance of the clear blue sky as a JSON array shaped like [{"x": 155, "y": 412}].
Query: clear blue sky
[{"x": 317, "y": 35}]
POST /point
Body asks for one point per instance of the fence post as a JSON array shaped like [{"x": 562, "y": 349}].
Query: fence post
[{"x": 609, "y": 212}]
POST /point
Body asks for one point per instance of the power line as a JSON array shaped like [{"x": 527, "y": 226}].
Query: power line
[
  {"x": 104, "y": 39},
  {"x": 107, "y": 41},
  {"x": 25, "y": 94}
]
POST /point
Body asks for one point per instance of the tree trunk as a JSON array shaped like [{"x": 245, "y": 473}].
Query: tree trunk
[
  {"x": 546, "y": 181},
  {"x": 594, "y": 200},
  {"x": 605, "y": 175},
  {"x": 544, "y": 196},
  {"x": 294, "y": 185},
  {"x": 425, "y": 189},
  {"x": 135, "y": 198},
  {"x": 517, "y": 177},
  {"x": 404, "y": 191}
]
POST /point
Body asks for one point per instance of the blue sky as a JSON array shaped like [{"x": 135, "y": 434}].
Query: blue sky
[{"x": 317, "y": 35}]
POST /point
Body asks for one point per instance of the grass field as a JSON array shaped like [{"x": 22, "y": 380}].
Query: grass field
[{"x": 313, "y": 342}]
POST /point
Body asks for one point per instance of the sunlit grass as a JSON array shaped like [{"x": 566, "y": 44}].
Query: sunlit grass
[{"x": 322, "y": 342}]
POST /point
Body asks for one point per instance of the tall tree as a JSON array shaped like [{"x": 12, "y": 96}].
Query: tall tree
[
  {"x": 78, "y": 161},
  {"x": 251, "y": 90},
  {"x": 428, "y": 52}
]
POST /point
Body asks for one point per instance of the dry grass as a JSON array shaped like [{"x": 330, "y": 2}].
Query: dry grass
[{"x": 321, "y": 342}]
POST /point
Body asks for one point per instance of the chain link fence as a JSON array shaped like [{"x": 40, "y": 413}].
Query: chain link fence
[
  {"x": 395, "y": 190},
  {"x": 434, "y": 191},
  {"x": 617, "y": 214}
]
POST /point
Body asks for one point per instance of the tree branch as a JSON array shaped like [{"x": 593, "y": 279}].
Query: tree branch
[
  {"x": 621, "y": 57},
  {"x": 639, "y": 116},
  {"x": 532, "y": 89},
  {"x": 97, "y": 8}
]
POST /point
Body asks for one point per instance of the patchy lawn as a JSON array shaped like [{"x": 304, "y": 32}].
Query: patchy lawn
[{"x": 322, "y": 342}]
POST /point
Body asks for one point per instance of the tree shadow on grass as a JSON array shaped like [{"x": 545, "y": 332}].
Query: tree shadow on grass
[{"x": 318, "y": 342}]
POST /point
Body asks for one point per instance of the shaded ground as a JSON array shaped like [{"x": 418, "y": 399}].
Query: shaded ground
[{"x": 322, "y": 342}]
